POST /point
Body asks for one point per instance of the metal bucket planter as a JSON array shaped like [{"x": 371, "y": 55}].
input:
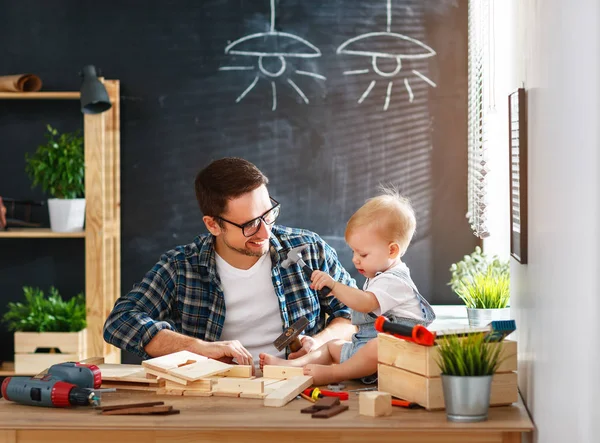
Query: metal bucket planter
[
  {"x": 467, "y": 399},
  {"x": 483, "y": 317}
]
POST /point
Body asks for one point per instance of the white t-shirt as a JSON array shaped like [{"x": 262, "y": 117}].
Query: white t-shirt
[
  {"x": 252, "y": 313},
  {"x": 394, "y": 295}
]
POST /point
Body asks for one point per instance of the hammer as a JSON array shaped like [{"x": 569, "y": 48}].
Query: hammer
[
  {"x": 290, "y": 336},
  {"x": 294, "y": 256}
]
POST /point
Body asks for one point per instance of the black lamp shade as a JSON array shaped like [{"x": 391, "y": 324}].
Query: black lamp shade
[{"x": 94, "y": 98}]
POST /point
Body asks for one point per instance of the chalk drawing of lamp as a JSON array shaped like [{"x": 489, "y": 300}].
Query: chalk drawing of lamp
[
  {"x": 272, "y": 49},
  {"x": 376, "y": 45}
]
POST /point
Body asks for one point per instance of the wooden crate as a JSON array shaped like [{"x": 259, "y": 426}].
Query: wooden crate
[
  {"x": 71, "y": 346},
  {"x": 410, "y": 372}
]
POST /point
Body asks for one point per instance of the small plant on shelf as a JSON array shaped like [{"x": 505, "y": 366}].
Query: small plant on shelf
[
  {"x": 57, "y": 166},
  {"x": 39, "y": 313}
]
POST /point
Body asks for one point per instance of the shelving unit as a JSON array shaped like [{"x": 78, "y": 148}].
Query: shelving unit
[{"x": 102, "y": 216}]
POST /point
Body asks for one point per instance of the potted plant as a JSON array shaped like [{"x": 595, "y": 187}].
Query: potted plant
[
  {"x": 48, "y": 330},
  {"x": 467, "y": 365},
  {"x": 483, "y": 284},
  {"x": 58, "y": 168}
]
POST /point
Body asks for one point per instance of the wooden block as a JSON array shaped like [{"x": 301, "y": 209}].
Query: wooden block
[
  {"x": 274, "y": 386},
  {"x": 201, "y": 369},
  {"x": 172, "y": 361},
  {"x": 288, "y": 391},
  {"x": 428, "y": 392},
  {"x": 326, "y": 413},
  {"x": 197, "y": 394},
  {"x": 309, "y": 410},
  {"x": 326, "y": 403},
  {"x": 200, "y": 385},
  {"x": 374, "y": 404},
  {"x": 241, "y": 371},
  {"x": 256, "y": 396},
  {"x": 225, "y": 394},
  {"x": 403, "y": 354},
  {"x": 280, "y": 372},
  {"x": 177, "y": 392},
  {"x": 234, "y": 384}
]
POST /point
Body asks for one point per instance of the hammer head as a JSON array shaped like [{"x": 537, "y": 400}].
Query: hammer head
[
  {"x": 294, "y": 255},
  {"x": 290, "y": 335}
]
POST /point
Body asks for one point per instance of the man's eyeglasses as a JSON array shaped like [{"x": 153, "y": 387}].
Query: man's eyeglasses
[{"x": 253, "y": 226}]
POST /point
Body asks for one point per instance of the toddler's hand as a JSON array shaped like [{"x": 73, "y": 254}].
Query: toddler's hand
[{"x": 321, "y": 279}]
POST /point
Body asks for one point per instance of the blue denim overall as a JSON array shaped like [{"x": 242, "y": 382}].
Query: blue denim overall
[{"x": 366, "y": 321}]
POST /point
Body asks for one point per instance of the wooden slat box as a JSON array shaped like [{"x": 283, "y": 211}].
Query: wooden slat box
[
  {"x": 72, "y": 347},
  {"x": 410, "y": 372}
]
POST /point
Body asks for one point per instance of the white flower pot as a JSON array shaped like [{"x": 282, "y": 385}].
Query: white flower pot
[
  {"x": 483, "y": 317},
  {"x": 66, "y": 215}
]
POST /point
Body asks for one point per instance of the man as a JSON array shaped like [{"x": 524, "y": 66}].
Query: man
[{"x": 226, "y": 295}]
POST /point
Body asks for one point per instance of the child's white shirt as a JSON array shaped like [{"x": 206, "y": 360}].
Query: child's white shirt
[{"x": 395, "y": 296}]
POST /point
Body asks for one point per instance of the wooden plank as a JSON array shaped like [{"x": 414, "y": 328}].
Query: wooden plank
[
  {"x": 172, "y": 361},
  {"x": 201, "y": 369},
  {"x": 270, "y": 371},
  {"x": 286, "y": 393},
  {"x": 188, "y": 393},
  {"x": 39, "y": 233},
  {"x": 129, "y": 405},
  {"x": 36, "y": 363},
  {"x": 233, "y": 384},
  {"x": 128, "y": 373},
  {"x": 167, "y": 376},
  {"x": 41, "y": 95}
]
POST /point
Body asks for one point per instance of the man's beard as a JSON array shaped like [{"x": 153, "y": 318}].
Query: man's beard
[{"x": 244, "y": 251}]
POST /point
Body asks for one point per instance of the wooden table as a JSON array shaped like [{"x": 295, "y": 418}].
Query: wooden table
[{"x": 223, "y": 420}]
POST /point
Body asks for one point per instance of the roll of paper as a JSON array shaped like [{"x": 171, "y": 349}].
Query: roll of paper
[{"x": 20, "y": 83}]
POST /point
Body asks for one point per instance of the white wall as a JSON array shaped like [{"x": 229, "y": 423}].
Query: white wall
[{"x": 555, "y": 52}]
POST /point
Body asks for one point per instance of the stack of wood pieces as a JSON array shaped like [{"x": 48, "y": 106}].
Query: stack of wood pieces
[
  {"x": 189, "y": 374},
  {"x": 325, "y": 407},
  {"x": 148, "y": 408}
]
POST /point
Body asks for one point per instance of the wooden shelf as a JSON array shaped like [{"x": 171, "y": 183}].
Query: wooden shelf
[
  {"x": 49, "y": 95},
  {"x": 39, "y": 233}
]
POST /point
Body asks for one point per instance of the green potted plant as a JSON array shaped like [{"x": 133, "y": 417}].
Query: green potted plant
[
  {"x": 57, "y": 166},
  {"x": 467, "y": 366},
  {"x": 48, "y": 329},
  {"x": 483, "y": 284}
]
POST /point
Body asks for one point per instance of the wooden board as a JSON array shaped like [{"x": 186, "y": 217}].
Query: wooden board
[
  {"x": 244, "y": 371},
  {"x": 234, "y": 384},
  {"x": 201, "y": 369},
  {"x": 167, "y": 376},
  {"x": 172, "y": 361},
  {"x": 128, "y": 373},
  {"x": 270, "y": 371},
  {"x": 288, "y": 391}
]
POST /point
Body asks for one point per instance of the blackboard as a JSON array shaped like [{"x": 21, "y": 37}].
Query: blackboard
[{"x": 325, "y": 144}]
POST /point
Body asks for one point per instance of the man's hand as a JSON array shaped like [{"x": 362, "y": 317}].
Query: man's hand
[
  {"x": 320, "y": 279},
  {"x": 225, "y": 351},
  {"x": 308, "y": 344}
]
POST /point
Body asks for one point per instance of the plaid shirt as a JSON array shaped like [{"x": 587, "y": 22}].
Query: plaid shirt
[{"x": 183, "y": 292}]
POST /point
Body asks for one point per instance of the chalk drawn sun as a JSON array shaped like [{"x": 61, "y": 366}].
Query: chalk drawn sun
[
  {"x": 407, "y": 48},
  {"x": 270, "y": 59}
]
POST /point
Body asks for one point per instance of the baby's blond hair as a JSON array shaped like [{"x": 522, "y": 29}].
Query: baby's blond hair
[{"x": 390, "y": 214}]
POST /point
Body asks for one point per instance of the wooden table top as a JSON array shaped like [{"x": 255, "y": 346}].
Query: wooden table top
[{"x": 221, "y": 413}]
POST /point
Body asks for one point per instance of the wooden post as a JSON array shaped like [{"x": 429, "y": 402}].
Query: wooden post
[{"x": 103, "y": 226}]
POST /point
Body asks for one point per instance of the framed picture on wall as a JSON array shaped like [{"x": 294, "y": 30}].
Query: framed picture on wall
[{"x": 517, "y": 129}]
